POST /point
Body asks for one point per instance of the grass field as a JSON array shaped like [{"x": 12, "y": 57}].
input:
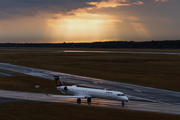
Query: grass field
[
  {"x": 56, "y": 111},
  {"x": 160, "y": 71},
  {"x": 27, "y": 84}
]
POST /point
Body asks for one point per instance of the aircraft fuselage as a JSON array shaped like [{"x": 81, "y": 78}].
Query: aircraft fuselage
[{"x": 93, "y": 93}]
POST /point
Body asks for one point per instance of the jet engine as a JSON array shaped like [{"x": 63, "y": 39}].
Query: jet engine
[{"x": 65, "y": 88}]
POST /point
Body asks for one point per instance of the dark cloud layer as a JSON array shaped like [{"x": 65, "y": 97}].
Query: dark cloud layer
[{"x": 13, "y": 8}]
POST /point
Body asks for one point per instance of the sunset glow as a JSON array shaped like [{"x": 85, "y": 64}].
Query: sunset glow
[
  {"x": 110, "y": 3},
  {"x": 89, "y": 21},
  {"x": 82, "y": 26}
]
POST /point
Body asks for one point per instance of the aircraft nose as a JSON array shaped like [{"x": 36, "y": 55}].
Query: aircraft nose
[{"x": 125, "y": 98}]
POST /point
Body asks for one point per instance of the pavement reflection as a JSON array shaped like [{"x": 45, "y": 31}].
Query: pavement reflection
[
  {"x": 141, "y": 98},
  {"x": 132, "y": 52},
  {"x": 131, "y": 105}
]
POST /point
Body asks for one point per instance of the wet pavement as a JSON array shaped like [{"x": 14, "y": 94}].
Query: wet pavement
[
  {"x": 134, "y": 92},
  {"x": 132, "y": 52},
  {"x": 90, "y": 51},
  {"x": 141, "y": 98},
  {"x": 131, "y": 105}
]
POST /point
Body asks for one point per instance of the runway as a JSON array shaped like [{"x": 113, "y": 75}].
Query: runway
[
  {"x": 138, "y": 95},
  {"x": 131, "y": 105},
  {"x": 92, "y": 51},
  {"x": 132, "y": 52}
]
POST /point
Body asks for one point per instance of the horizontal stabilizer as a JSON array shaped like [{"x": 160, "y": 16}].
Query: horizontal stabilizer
[{"x": 66, "y": 96}]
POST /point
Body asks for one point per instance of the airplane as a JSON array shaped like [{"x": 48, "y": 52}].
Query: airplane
[{"x": 82, "y": 92}]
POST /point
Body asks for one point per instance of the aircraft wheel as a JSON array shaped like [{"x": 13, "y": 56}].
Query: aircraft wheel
[
  {"x": 89, "y": 100},
  {"x": 78, "y": 100},
  {"x": 122, "y": 103}
]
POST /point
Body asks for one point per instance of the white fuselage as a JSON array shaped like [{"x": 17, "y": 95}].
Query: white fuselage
[{"x": 93, "y": 93}]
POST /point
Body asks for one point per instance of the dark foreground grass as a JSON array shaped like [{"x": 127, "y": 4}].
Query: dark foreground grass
[
  {"x": 160, "y": 71},
  {"x": 27, "y": 84},
  {"x": 59, "y": 111}
]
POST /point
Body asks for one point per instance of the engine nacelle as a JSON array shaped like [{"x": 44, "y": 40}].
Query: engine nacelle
[{"x": 65, "y": 88}]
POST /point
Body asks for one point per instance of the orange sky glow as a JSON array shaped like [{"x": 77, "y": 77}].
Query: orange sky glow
[{"x": 98, "y": 20}]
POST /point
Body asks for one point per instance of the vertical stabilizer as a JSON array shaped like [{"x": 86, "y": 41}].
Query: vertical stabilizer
[{"x": 58, "y": 81}]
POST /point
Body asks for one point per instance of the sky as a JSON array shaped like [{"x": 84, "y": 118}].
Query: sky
[{"x": 58, "y": 21}]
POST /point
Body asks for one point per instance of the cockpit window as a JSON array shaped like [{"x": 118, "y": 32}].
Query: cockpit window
[{"x": 120, "y": 95}]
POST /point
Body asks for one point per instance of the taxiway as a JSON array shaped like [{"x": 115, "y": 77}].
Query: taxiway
[
  {"x": 141, "y": 98},
  {"x": 131, "y": 105}
]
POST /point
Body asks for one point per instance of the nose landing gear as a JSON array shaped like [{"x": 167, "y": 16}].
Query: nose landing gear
[
  {"x": 88, "y": 100},
  {"x": 122, "y": 103}
]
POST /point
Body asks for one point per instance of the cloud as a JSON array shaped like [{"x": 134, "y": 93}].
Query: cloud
[
  {"x": 54, "y": 17},
  {"x": 109, "y": 3},
  {"x": 150, "y": 20},
  {"x": 19, "y": 8},
  {"x": 138, "y": 3},
  {"x": 88, "y": 19},
  {"x": 162, "y": 0},
  {"x": 14, "y": 8}
]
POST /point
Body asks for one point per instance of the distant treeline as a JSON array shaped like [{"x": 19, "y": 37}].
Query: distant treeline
[{"x": 167, "y": 44}]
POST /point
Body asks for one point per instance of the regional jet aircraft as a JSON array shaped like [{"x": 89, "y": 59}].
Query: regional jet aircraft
[{"x": 81, "y": 92}]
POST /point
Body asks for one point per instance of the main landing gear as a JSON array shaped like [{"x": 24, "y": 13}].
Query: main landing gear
[
  {"x": 88, "y": 100},
  {"x": 79, "y": 100}
]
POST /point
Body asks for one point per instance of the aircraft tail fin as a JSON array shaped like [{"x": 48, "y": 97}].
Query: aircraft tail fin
[{"x": 58, "y": 81}]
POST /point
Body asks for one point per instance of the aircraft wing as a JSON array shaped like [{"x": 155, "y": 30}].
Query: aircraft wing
[{"x": 66, "y": 96}]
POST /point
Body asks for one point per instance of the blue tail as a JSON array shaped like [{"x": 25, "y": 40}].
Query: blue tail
[{"x": 58, "y": 81}]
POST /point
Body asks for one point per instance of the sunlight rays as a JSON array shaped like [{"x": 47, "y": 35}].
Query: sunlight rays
[{"x": 82, "y": 26}]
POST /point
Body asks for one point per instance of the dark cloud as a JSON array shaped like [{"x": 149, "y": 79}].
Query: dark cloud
[
  {"x": 13, "y": 8},
  {"x": 54, "y": 17},
  {"x": 71, "y": 14},
  {"x": 16, "y": 8},
  {"x": 160, "y": 19}
]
